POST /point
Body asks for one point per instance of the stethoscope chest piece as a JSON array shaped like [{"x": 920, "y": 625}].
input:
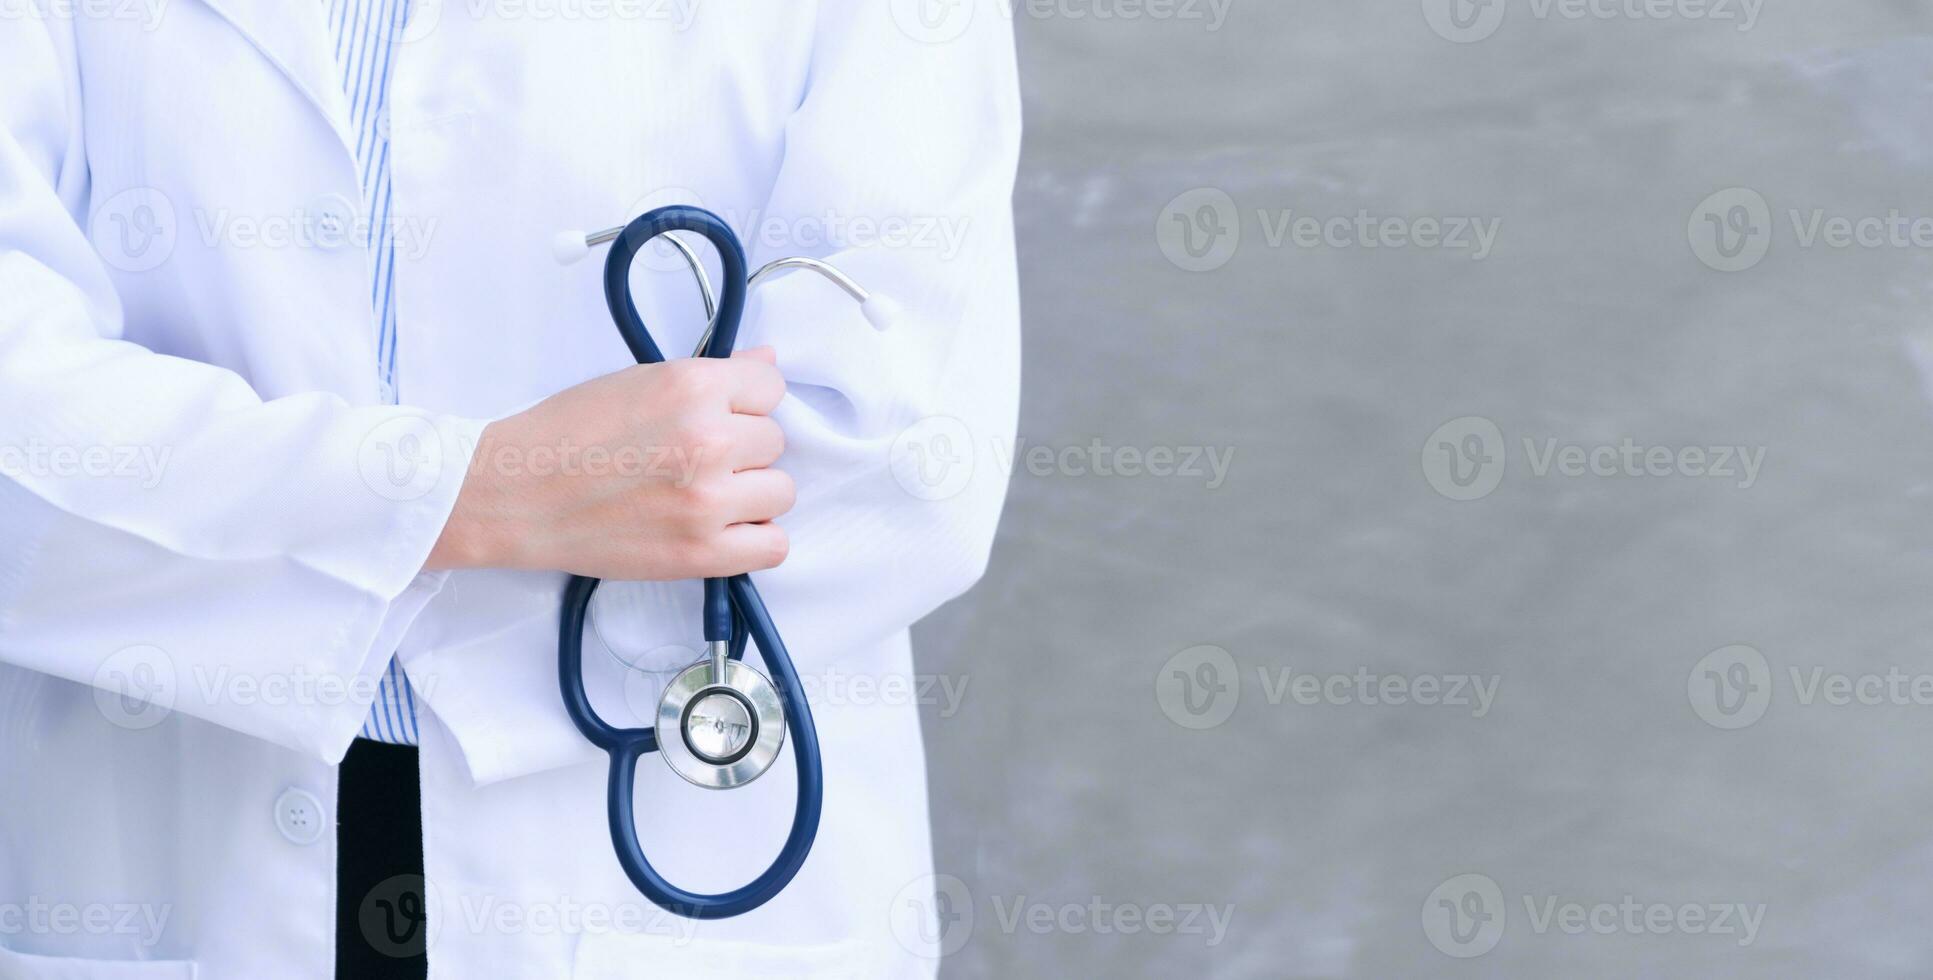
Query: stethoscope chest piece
[{"x": 725, "y": 731}]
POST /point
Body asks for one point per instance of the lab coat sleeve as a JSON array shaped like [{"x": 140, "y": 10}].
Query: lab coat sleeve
[
  {"x": 166, "y": 535},
  {"x": 899, "y": 168}
]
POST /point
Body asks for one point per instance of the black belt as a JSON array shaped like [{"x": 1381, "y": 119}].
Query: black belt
[{"x": 381, "y": 916}]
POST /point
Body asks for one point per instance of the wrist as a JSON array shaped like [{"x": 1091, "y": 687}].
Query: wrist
[{"x": 475, "y": 535}]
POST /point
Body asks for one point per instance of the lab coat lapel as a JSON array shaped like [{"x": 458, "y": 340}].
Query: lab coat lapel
[{"x": 294, "y": 37}]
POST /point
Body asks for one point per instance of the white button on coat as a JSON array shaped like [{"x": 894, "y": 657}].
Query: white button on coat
[
  {"x": 331, "y": 222},
  {"x": 250, "y": 527},
  {"x": 299, "y": 816}
]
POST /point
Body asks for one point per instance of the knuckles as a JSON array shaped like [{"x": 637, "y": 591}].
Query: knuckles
[
  {"x": 704, "y": 504},
  {"x": 704, "y": 438}
]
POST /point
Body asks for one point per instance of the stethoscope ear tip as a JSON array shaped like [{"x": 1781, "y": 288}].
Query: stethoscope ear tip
[
  {"x": 881, "y": 312},
  {"x": 569, "y": 247}
]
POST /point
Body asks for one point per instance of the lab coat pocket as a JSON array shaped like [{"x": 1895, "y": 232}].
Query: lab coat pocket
[
  {"x": 625, "y": 956},
  {"x": 21, "y": 966}
]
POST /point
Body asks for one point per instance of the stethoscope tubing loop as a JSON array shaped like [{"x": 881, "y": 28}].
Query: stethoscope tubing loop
[
  {"x": 807, "y": 808},
  {"x": 734, "y": 612},
  {"x": 638, "y": 234}
]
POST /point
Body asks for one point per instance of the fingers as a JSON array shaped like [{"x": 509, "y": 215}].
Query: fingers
[
  {"x": 757, "y": 387},
  {"x": 749, "y": 548},
  {"x": 748, "y": 382},
  {"x": 757, "y": 496},
  {"x": 755, "y": 442}
]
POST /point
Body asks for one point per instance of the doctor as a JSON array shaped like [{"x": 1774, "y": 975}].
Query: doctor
[{"x": 302, "y": 429}]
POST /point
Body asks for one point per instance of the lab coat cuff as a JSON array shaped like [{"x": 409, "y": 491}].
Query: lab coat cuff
[
  {"x": 390, "y": 622},
  {"x": 414, "y": 466},
  {"x": 506, "y": 737},
  {"x": 417, "y": 463}
]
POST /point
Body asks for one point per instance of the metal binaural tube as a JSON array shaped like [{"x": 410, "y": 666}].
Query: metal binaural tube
[
  {"x": 874, "y": 310},
  {"x": 840, "y": 279}
]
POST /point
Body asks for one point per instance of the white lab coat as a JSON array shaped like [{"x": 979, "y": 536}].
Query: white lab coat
[{"x": 211, "y": 525}]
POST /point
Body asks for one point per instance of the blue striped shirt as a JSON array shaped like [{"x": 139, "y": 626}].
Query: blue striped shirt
[{"x": 364, "y": 33}]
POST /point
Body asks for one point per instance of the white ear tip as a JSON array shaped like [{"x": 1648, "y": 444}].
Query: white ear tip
[
  {"x": 568, "y": 247},
  {"x": 881, "y": 312}
]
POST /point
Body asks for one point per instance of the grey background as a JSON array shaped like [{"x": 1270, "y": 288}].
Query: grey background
[{"x": 1590, "y": 599}]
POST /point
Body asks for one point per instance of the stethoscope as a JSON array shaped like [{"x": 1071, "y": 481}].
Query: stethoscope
[{"x": 729, "y": 720}]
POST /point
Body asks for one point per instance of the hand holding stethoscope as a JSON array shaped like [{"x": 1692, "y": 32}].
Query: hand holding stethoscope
[{"x": 725, "y": 722}]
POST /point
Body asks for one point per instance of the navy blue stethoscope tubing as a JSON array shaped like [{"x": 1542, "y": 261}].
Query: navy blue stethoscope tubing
[{"x": 733, "y": 612}]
